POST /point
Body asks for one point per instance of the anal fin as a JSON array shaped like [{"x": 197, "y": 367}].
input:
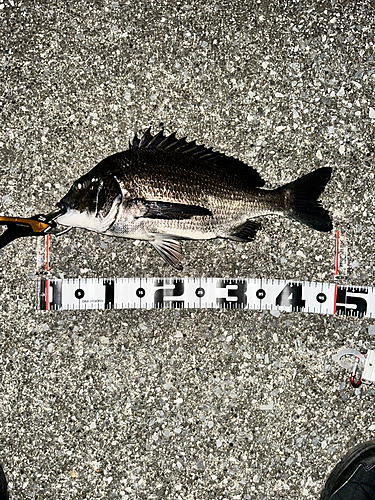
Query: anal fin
[
  {"x": 169, "y": 249},
  {"x": 246, "y": 231}
]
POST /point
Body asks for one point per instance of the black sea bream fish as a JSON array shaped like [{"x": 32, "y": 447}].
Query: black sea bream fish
[{"x": 164, "y": 189}]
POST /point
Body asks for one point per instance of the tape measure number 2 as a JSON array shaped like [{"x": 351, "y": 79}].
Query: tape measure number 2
[{"x": 214, "y": 293}]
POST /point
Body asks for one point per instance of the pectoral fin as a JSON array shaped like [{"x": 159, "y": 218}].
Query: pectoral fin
[
  {"x": 245, "y": 232},
  {"x": 169, "y": 248},
  {"x": 167, "y": 210}
]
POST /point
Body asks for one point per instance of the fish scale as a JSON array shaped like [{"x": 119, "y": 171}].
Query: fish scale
[{"x": 165, "y": 189}]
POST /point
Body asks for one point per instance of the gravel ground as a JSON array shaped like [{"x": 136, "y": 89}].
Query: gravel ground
[{"x": 183, "y": 404}]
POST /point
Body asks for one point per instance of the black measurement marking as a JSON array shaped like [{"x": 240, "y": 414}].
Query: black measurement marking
[
  {"x": 239, "y": 294},
  {"x": 351, "y": 305},
  {"x": 140, "y": 292},
  {"x": 42, "y": 295},
  {"x": 260, "y": 293},
  {"x": 79, "y": 293},
  {"x": 200, "y": 292},
  {"x": 321, "y": 297},
  {"x": 56, "y": 302},
  {"x": 291, "y": 295},
  {"x": 109, "y": 300},
  {"x": 161, "y": 293}
]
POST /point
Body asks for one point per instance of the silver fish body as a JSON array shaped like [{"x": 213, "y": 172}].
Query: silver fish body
[{"x": 163, "y": 190}]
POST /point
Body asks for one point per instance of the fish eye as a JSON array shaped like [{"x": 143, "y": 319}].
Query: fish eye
[{"x": 80, "y": 186}]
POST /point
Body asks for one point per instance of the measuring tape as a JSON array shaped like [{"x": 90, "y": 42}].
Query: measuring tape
[{"x": 206, "y": 293}]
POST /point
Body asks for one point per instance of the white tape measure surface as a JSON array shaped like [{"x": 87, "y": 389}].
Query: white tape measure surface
[{"x": 206, "y": 293}]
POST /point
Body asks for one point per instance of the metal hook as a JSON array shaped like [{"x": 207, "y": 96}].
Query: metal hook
[
  {"x": 353, "y": 374},
  {"x": 18, "y": 227}
]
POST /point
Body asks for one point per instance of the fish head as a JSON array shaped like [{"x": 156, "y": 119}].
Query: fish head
[{"x": 92, "y": 203}]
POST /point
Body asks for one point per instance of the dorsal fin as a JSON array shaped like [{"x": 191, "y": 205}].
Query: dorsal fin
[{"x": 182, "y": 146}]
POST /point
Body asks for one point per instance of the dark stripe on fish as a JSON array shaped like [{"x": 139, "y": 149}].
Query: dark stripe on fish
[{"x": 166, "y": 210}]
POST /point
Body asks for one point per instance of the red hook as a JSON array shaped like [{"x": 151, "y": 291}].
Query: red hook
[{"x": 353, "y": 374}]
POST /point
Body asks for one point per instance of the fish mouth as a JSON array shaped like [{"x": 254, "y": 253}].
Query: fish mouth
[
  {"x": 62, "y": 206},
  {"x": 64, "y": 210}
]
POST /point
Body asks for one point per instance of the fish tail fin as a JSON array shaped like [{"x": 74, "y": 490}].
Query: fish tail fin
[
  {"x": 304, "y": 194},
  {"x": 4, "y": 495}
]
